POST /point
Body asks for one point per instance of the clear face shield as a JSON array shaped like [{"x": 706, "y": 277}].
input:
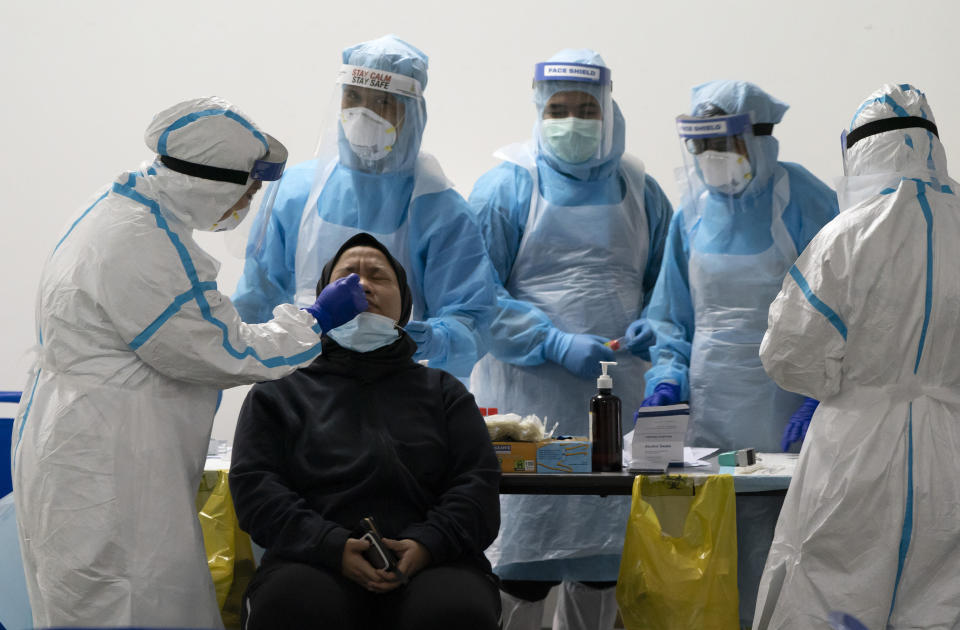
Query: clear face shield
[
  {"x": 576, "y": 111},
  {"x": 716, "y": 160},
  {"x": 265, "y": 170},
  {"x": 373, "y": 121}
]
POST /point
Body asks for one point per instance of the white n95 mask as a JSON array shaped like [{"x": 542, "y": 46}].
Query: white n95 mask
[
  {"x": 573, "y": 140},
  {"x": 366, "y": 332},
  {"x": 728, "y": 172},
  {"x": 370, "y": 136}
]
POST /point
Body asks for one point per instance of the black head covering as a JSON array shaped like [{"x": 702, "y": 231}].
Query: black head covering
[{"x": 365, "y": 240}]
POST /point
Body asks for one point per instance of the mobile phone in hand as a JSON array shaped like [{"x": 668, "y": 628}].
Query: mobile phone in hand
[{"x": 377, "y": 554}]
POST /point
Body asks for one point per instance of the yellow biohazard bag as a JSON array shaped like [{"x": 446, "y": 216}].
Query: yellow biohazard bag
[
  {"x": 679, "y": 564},
  {"x": 229, "y": 553}
]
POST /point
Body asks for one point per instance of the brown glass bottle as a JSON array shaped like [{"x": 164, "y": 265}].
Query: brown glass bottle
[{"x": 606, "y": 425}]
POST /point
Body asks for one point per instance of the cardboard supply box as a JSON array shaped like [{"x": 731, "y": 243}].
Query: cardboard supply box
[
  {"x": 517, "y": 456},
  {"x": 545, "y": 457}
]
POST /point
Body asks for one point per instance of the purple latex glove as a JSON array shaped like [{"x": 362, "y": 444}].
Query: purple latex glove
[
  {"x": 339, "y": 302},
  {"x": 796, "y": 429},
  {"x": 639, "y": 338},
  {"x": 663, "y": 394}
]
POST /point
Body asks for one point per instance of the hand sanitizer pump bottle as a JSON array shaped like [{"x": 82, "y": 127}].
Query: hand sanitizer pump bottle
[{"x": 606, "y": 425}]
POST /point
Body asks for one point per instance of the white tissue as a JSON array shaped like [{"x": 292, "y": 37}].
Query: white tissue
[{"x": 510, "y": 427}]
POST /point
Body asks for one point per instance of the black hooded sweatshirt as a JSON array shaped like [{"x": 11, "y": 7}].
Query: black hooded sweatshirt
[{"x": 365, "y": 434}]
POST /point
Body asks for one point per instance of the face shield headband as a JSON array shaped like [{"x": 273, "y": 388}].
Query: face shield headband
[
  {"x": 379, "y": 80},
  {"x": 558, "y": 71},
  {"x": 712, "y": 133},
  {"x": 268, "y": 168}
]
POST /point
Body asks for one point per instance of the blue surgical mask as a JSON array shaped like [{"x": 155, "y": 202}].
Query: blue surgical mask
[
  {"x": 573, "y": 140},
  {"x": 366, "y": 332}
]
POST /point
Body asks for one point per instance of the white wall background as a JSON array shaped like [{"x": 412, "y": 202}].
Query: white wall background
[{"x": 81, "y": 80}]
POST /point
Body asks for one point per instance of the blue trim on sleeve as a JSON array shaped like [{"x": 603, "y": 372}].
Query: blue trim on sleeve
[
  {"x": 907, "y": 531},
  {"x": 197, "y": 290},
  {"x": 169, "y": 312},
  {"x": 23, "y": 423},
  {"x": 189, "y": 118},
  {"x": 928, "y": 298},
  {"x": 81, "y": 218},
  {"x": 817, "y": 303}
]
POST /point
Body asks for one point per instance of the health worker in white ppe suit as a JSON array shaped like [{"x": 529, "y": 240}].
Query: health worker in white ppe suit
[
  {"x": 575, "y": 229},
  {"x": 866, "y": 322},
  {"x": 744, "y": 218},
  {"x": 371, "y": 176},
  {"x": 134, "y": 343}
]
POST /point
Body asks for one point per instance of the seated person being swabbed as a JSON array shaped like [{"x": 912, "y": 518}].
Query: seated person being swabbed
[{"x": 366, "y": 435}]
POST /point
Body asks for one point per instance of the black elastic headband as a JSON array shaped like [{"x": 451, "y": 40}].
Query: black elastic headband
[
  {"x": 763, "y": 129},
  {"x": 889, "y": 124},
  {"x": 204, "y": 171}
]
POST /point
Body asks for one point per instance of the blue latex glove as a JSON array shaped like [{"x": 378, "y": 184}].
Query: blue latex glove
[
  {"x": 799, "y": 422},
  {"x": 429, "y": 344},
  {"x": 339, "y": 302},
  {"x": 663, "y": 394},
  {"x": 580, "y": 354},
  {"x": 639, "y": 338}
]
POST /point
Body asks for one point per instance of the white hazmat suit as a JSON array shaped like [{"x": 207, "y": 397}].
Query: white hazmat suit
[
  {"x": 866, "y": 322},
  {"x": 135, "y": 341}
]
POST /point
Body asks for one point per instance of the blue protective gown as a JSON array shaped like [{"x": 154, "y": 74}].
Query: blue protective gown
[
  {"x": 724, "y": 263},
  {"x": 405, "y": 202},
  {"x": 591, "y": 283},
  {"x": 435, "y": 236},
  {"x": 739, "y": 247}
]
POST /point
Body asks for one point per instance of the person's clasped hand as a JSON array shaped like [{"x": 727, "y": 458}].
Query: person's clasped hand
[
  {"x": 796, "y": 429},
  {"x": 355, "y": 567},
  {"x": 580, "y": 354},
  {"x": 412, "y": 556},
  {"x": 639, "y": 337},
  {"x": 339, "y": 302},
  {"x": 663, "y": 394}
]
